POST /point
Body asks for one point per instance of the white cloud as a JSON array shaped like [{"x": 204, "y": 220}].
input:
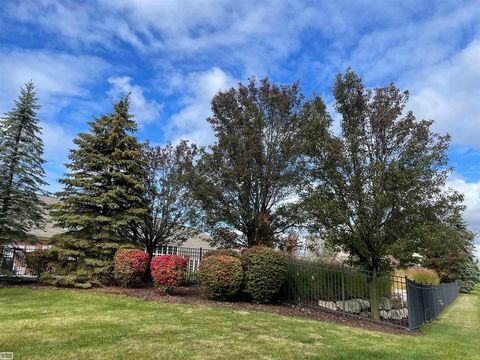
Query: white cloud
[
  {"x": 60, "y": 80},
  {"x": 144, "y": 111},
  {"x": 406, "y": 46},
  {"x": 198, "y": 89},
  {"x": 448, "y": 93},
  {"x": 471, "y": 191},
  {"x": 56, "y": 76}
]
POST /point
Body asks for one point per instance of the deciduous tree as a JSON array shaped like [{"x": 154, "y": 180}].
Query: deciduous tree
[
  {"x": 167, "y": 197},
  {"x": 244, "y": 180},
  {"x": 374, "y": 184}
]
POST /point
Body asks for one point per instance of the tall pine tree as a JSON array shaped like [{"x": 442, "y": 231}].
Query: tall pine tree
[
  {"x": 101, "y": 199},
  {"x": 21, "y": 169}
]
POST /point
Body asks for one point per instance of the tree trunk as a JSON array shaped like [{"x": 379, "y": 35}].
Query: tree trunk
[{"x": 374, "y": 295}]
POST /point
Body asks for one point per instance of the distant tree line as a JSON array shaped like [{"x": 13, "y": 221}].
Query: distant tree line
[{"x": 375, "y": 187}]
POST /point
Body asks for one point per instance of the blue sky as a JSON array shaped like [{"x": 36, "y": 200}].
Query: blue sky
[{"x": 173, "y": 56}]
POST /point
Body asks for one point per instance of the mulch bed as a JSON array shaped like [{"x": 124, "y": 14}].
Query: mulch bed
[{"x": 193, "y": 296}]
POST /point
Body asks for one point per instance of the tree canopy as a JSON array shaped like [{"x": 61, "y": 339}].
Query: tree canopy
[
  {"x": 244, "y": 180},
  {"x": 167, "y": 197},
  {"x": 373, "y": 185}
]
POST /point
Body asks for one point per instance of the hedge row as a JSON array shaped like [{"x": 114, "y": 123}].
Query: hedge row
[
  {"x": 259, "y": 272},
  {"x": 130, "y": 266}
]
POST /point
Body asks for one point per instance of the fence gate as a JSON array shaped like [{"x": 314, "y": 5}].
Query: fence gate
[{"x": 426, "y": 302}]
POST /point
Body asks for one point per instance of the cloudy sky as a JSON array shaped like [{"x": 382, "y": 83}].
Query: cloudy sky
[{"x": 174, "y": 55}]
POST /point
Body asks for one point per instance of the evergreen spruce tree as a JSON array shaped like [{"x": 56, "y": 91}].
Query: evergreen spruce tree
[
  {"x": 101, "y": 199},
  {"x": 21, "y": 169}
]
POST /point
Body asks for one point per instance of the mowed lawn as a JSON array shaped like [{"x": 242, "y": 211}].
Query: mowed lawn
[{"x": 70, "y": 324}]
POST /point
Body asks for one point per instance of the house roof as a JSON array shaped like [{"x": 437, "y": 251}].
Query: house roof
[
  {"x": 197, "y": 241},
  {"x": 49, "y": 230}
]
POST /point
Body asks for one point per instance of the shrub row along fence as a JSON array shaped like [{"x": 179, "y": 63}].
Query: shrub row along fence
[
  {"x": 388, "y": 299},
  {"x": 13, "y": 264}
]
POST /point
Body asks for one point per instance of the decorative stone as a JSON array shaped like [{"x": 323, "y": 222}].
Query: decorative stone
[
  {"x": 405, "y": 313},
  {"x": 365, "y": 304},
  {"x": 350, "y": 306},
  {"x": 385, "y": 304},
  {"x": 396, "y": 314},
  {"x": 384, "y": 314},
  {"x": 397, "y": 303},
  {"x": 327, "y": 304}
]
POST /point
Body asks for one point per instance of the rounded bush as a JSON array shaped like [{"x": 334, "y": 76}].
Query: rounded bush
[
  {"x": 265, "y": 272},
  {"x": 248, "y": 253},
  {"x": 168, "y": 271},
  {"x": 130, "y": 266},
  {"x": 221, "y": 276}
]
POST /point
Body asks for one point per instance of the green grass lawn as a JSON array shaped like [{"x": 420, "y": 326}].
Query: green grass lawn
[{"x": 68, "y": 324}]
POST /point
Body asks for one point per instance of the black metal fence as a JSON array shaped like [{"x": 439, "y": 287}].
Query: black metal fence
[
  {"x": 348, "y": 291},
  {"x": 13, "y": 264},
  {"x": 388, "y": 299},
  {"x": 426, "y": 302}
]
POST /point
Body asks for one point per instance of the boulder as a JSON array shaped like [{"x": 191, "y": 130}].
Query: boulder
[
  {"x": 350, "y": 306},
  {"x": 397, "y": 303},
  {"x": 396, "y": 314},
  {"x": 385, "y": 304},
  {"x": 365, "y": 304},
  {"x": 327, "y": 304},
  {"x": 384, "y": 314},
  {"x": 405, "y": 313}
]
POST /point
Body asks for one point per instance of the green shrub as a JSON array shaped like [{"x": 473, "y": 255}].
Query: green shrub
[
  {"x": 421, "y": 275},
  {"x": 226, "y": 252},
  {"x": 248, "y": 253},
  {"x": 265, "y": 272},
  {"x": 221, "y": 276},
  {"x": 469, "y": 276},
  {"x": 37, "y": 261}
]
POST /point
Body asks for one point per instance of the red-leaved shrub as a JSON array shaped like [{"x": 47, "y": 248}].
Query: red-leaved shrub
[
  {"x": 130, "y": 267},
  {"x": 168, "y": 271}
]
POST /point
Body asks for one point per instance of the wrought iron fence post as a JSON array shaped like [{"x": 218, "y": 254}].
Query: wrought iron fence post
[
  {"x": 409, "y": 303},
  {"x": 343, "y": 289}
]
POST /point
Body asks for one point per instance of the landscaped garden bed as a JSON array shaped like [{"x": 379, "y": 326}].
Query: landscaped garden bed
[{"x": 194, "y": 295}]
